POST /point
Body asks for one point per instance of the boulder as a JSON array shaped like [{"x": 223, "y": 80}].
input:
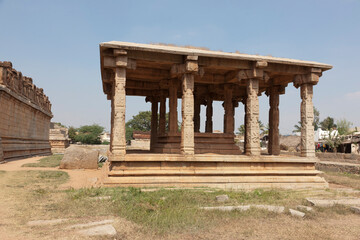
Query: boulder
[{"x": 77, "y": 157}]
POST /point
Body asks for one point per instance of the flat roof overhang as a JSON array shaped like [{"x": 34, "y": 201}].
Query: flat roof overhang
[{"x": 153, "y": 67}]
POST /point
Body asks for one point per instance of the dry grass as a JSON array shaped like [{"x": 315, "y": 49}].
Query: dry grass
[
  {"x": 345, "y": 179},
  {"x": 50, "y": 161},
  {"x": 163, "y": 214}
]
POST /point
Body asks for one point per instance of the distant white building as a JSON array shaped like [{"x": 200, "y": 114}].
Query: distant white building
[
  {"x": 321, "y": 135},
  {"x": 105, "y": 137}
]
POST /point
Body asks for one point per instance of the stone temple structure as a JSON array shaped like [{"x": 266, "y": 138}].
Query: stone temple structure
[
  {"x": 59, "y": 138},
  {"x": 25, "y": 113},
  {"x": 200, "y": 77}
]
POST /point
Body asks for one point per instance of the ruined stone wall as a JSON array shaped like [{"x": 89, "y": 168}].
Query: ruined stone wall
[{"x": 25, "y": 114}]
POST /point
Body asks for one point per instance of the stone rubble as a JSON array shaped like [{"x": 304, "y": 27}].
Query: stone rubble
[
  {"x": 331, "y": 202},
  {"x": 103, "y": 230},
  {"x": 222, "y": 198},
  {"x": 304, "y": 208},
  {"x": 296, "y": 213},
  {"x": 90, "y": 224}
]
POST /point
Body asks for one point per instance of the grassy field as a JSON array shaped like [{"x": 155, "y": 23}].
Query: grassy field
[
  {"x": 50, "y": 161},
  {"x": 166, "y": 213},
  {"x": 345, "y": 179}
]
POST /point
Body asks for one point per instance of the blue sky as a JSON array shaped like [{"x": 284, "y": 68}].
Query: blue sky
[{"x": 57, "y": 44}]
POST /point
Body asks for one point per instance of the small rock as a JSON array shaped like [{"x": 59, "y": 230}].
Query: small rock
[
  {"x": 45, "y": 222},
  {"x": 304, "y": 208},
  {"x": 356, "y": 209},
  {"x": 90, "y": 224},
  {"x": 104, "y": 230},
  {"x": 296, "y": 213},
  {"x": 222, "y": 198}
]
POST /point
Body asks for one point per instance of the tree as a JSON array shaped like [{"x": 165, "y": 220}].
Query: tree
[
  {"x": 263, "y": 129},
  {"x": 316, "y": 118},
  {"x": 241, "y": 130},
  {"x": 297, "y": 127},
  {"x": 89, "y": 134},
  {"x": 316, "y": 122},
  {"x": 142, "y": 122},
  {"x": 343, "y": 126},
  {"x": 72, "y": 133},
  {"x": 328, "y": 124}
]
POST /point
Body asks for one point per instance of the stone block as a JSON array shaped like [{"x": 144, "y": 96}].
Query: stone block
[{"x": 78, "y": 157}]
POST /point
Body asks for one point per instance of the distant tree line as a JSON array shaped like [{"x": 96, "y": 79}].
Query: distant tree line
[{"x": 88, "y": 134}]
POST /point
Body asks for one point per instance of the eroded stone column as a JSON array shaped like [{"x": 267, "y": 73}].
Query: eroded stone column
[
  {"x": 229, "y": 110},
  {"x": 162, "y": 120},
  {"x": 274, "y": 145},
  {"x": 307, "y": 119},
  {"x": 209, "y": 115},
  {"x": 173, "y": 114},
  {"x": 154, "y": 124},
  {"x": 244, "y": 102},
  {"x": 187, "y": 126},
  {"x": 118, "y": 105},
  {"x": 252, "y": 118}
]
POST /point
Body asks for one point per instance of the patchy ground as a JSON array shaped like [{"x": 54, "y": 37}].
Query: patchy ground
[{"x": 46, "y": 193}]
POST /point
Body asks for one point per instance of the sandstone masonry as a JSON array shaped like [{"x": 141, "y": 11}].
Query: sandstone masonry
[{"x": 25, "y": 113}]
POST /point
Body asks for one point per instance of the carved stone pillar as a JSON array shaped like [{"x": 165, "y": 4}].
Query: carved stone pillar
[
  {"x": 229, "y": 110},
  {"x": 274, "y": 144},
  {"x": 306, "y": 82},
  {"x": 118, "y": 107},
  {"x": 307, "y": 119},
  {"x": 154, "y": 124},
  {"x": 162, "y": 120},
  {"x": 187, "y": 127},
  {"x": 209, "y": 115},
  {"x": 173, "y": 114},
  {"x": 197, "y": 108},
  {"x": 252, "y": 118}
]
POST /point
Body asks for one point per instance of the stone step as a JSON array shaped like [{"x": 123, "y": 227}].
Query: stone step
[
  {"x": 160, "y": 172},
  {"x": 225, "y": 182}
]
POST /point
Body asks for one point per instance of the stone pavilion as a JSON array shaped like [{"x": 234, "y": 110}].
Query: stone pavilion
[{"x": 164, "y": 74}]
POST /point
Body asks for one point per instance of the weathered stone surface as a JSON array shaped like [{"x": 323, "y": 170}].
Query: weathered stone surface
[
  {"x": 25, "y": 115},
  {"x": 228, "y": 208},
  {"x": 187, "y": 109},
  {"x": 90, "y": 224},
  {"x": 77, "y": 157},
  {"x": 104, "y": 230},
  {"x": 304, "y": 208},
  {"x": 45, "y": 222},
  {"x": 222, "y": 198},
  {"x": 296, "y": 213},
  {"x": 271, "y": 208},
  {"x": 102, "y": 198},
  {"x": 332, "y": 202},
  {"x": 252, "y": 133},
  {"x": 356, "y": 209}
]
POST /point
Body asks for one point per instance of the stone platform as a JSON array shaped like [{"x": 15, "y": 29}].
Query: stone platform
[{"x": 214, "y": 170}]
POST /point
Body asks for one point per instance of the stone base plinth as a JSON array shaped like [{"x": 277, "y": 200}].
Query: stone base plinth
[{"x": 213, "y": 170}]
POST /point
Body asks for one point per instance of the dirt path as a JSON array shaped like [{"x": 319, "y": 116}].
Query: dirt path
[{"x": 79, "y": 178}]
